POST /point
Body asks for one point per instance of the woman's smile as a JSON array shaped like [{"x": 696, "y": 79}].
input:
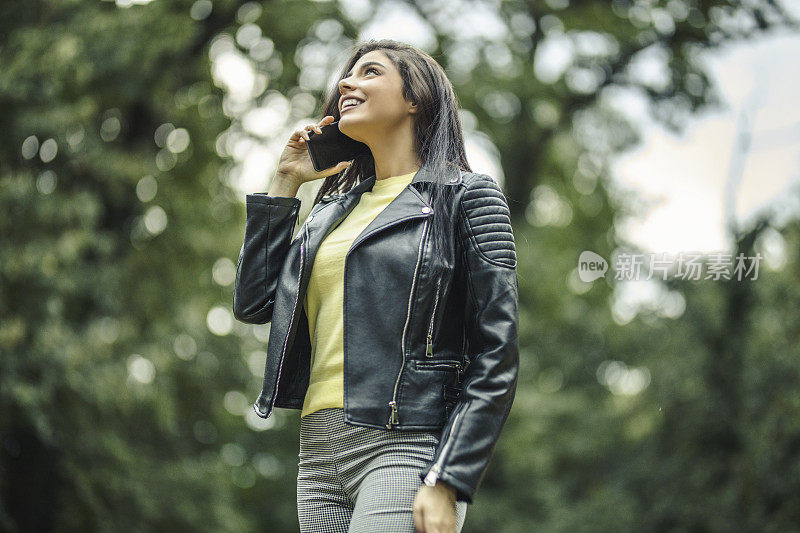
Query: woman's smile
[{"x": 350, "y": 104}]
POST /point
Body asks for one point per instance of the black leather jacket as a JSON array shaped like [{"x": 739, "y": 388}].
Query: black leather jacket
[{"x": 427, "y": 344}]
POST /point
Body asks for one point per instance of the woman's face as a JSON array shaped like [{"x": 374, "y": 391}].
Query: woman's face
[{"x": 377, "y": 83}]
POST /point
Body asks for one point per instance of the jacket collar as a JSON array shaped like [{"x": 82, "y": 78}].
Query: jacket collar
[
  {"x": 409, "y": 203},
  {"x": 424, "y": 174}
]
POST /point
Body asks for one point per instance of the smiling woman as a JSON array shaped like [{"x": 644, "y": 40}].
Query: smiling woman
[
  {"x": 394, "y": 308},
  {"x": 384, "y": 119}
]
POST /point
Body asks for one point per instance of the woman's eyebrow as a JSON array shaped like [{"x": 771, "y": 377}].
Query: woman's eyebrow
[{"x": 365, "y": 64}]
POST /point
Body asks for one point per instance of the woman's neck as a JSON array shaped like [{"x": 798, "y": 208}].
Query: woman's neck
[{"x": 394, "y": 153}]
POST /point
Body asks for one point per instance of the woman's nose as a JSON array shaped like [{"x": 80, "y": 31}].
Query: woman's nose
[{"x": 345, "y": 83}]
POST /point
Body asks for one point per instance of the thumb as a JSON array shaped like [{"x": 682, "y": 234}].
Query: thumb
[{"x": 338, "y": 168}]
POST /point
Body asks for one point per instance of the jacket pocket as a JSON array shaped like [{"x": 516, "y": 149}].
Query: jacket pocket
[
  {"x": 421, "y": 398},
  {"x": 441, "y": 365}
]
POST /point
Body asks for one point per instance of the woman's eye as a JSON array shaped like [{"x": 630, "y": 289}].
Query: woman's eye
[{"x": 373, "y": 69}]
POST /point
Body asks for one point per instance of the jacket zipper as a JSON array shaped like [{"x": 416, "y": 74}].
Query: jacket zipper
[
  {"x": 291, "y": 319},
  {"x": 434, "y": 364},
  {"x": 429, "y": 343},
  {"x": 393, "y": 419},
  {"x": 436, "y": 469}
]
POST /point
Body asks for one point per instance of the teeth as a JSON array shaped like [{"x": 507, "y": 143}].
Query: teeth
[{"x": 350, "y": 103}]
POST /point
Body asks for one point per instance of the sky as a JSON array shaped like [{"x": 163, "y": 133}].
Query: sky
[{"x": 686, "y": 174}]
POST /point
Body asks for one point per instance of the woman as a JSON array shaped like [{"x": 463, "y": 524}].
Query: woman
[{"x": 393, "y": 310}]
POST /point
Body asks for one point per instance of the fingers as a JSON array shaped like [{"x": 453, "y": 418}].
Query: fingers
[
  {"x": 432, "y": 517},
  {"x": 298, "y": 136},
  {"x": 419, "y": 519},
  {"x": 318, "y": 126},
  {"x": 301, "y": 135},
  {"x": 437, "y": 526}
]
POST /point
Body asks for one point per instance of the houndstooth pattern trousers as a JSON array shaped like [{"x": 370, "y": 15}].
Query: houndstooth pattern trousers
[{"x": 354, "y": 479}]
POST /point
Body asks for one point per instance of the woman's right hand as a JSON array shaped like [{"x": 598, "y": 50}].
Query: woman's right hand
[{"x": 295, "y": 164}]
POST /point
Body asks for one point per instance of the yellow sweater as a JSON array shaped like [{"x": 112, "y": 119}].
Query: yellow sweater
[{"x": 324, "y": 300}]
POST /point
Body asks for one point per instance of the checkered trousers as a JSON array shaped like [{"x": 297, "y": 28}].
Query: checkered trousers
[{"x": 360, "y": 479}]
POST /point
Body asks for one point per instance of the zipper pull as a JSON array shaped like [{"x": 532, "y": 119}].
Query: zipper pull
[
  {"x": 393, "y": 417},
  {"x": 429, "y": 346},
  {"x": 432, "y": 476}
]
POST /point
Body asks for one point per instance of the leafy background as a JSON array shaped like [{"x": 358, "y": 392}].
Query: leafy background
[{"x": 126, "y": 385}]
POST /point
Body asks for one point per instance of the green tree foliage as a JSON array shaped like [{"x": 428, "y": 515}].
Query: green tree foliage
[{"x": 125, "y": 387}]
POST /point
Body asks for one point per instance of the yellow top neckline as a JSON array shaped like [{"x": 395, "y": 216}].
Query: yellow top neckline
[{"x": 392, "y": 180}]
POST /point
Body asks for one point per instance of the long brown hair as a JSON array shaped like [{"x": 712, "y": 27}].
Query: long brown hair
[{"x": 437, "y": 130}]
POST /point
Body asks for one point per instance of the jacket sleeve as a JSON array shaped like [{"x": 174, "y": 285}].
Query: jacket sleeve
[
  {"x": 267, "y": 235},
  {"x": 491, "y": 321}
]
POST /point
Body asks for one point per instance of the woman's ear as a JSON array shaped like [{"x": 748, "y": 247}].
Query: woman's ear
[{"x": 412, "y": 108}]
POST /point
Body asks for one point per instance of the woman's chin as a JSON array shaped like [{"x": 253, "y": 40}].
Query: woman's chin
[{"x": 349, "y": 127}]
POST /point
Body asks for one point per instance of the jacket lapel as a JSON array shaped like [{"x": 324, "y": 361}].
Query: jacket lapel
[
  {"x": 327, "y": 218},
  {"x": 407, "y": 205}
]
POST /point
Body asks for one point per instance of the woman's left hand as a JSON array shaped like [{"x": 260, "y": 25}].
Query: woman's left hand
[{"x": 435, "y": 509}]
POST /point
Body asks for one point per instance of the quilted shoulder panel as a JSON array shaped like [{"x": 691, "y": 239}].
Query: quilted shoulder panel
[{"x": 488, "y": 220}]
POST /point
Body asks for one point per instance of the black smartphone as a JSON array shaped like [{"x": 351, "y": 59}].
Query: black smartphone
[{"x": 328, "y": 148}]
